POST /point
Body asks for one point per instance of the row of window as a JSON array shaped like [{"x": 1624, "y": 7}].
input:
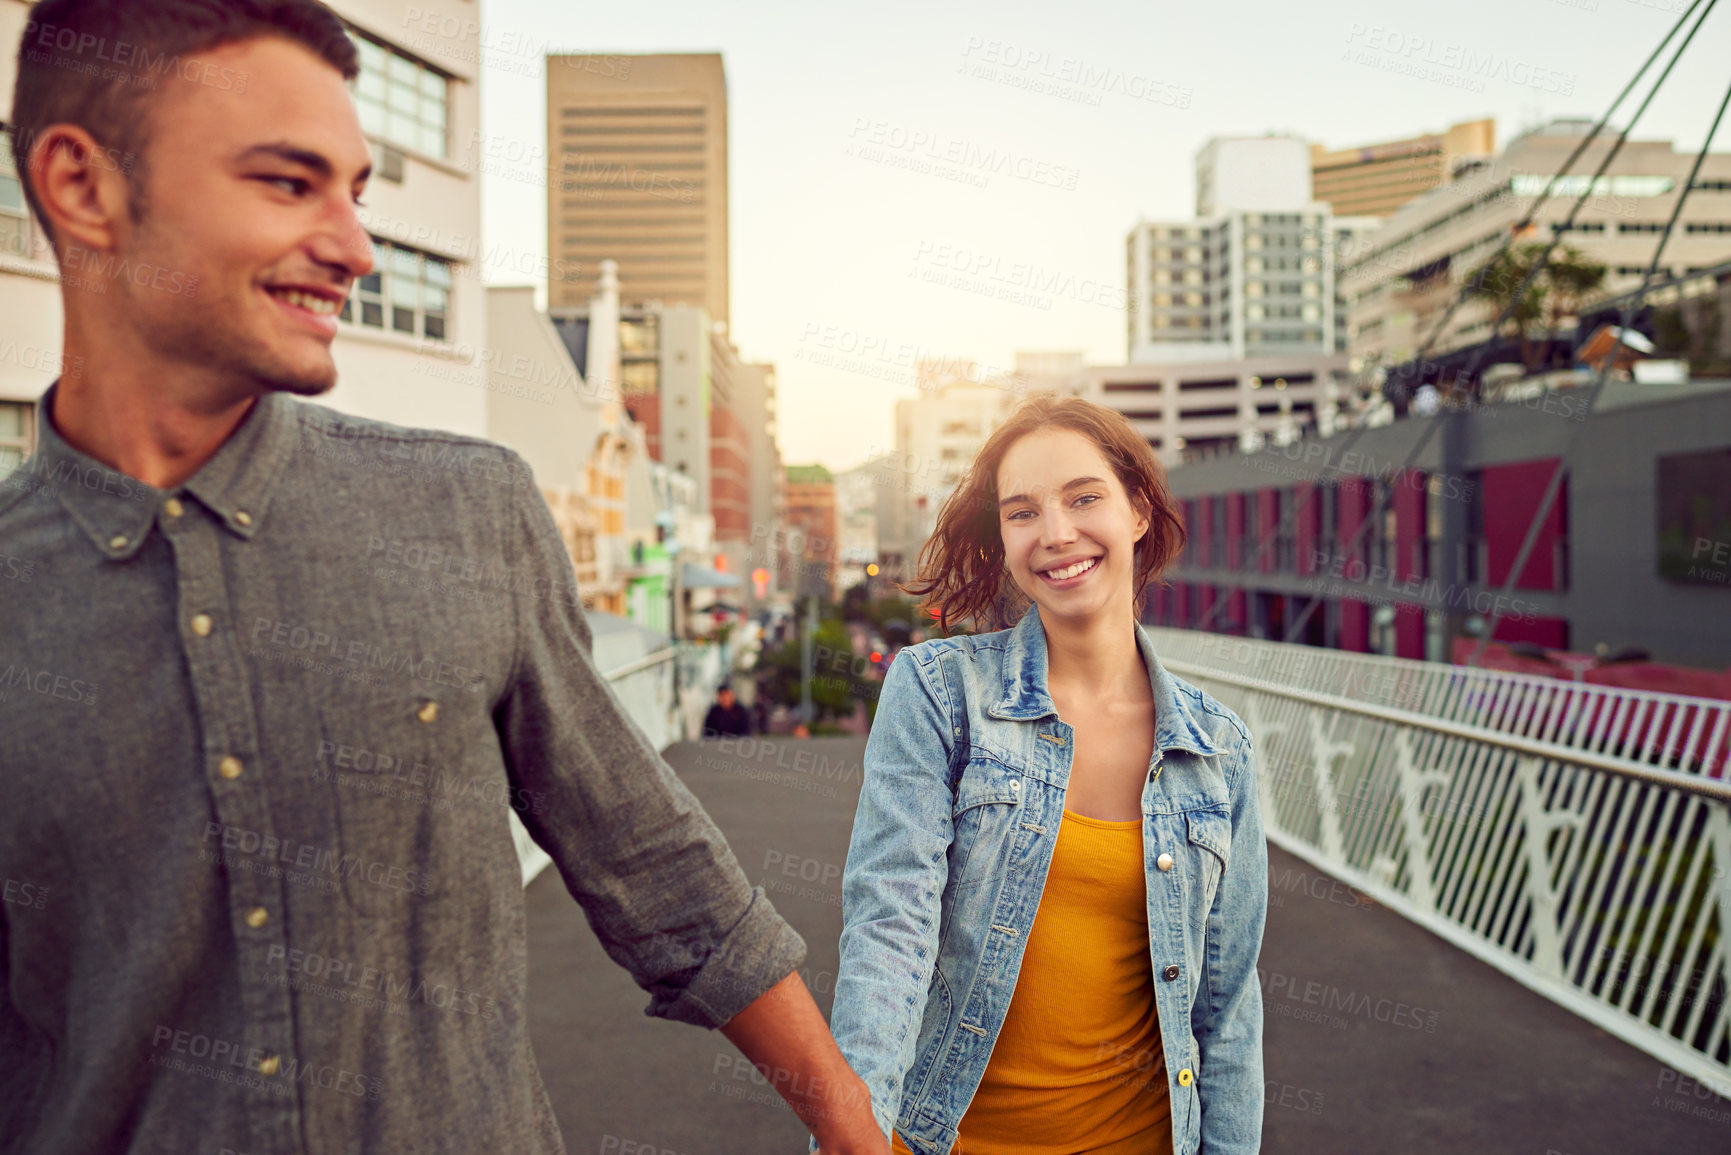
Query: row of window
[
  {"x": 1208, "y": 546},
  {"x": 408, "y": 292},
  {"x": 401, "y": 99},
  {"x": 1274, "y": 312}
]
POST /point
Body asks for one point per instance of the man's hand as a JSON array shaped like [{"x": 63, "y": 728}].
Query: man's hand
[{"x": 786, "y": 1039}]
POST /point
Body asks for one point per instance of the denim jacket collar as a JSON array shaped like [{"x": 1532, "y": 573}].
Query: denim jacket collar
[{"x": 1026, "y": 696}]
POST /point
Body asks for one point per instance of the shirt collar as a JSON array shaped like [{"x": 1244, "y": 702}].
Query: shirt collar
[
  {"x": 117, "y": 511},
  {"x": 1026, "y": 696}
]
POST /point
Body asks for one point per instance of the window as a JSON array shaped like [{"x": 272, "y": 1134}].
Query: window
[
  {"x": 400, "y": 99},
  {"x": 641, "y": 377},
  {"x": 407, "y": 292},
  {"x": 17, "y": 428},
  {"x": 640, "y": 338},
  {"x": 14, "y": 213}
]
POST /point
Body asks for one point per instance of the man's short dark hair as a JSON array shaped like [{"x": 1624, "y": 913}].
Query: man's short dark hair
[{"x": 96, "y": 64}]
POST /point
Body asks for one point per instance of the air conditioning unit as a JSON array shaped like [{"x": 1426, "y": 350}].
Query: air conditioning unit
[{"x": 390, "y": 166}]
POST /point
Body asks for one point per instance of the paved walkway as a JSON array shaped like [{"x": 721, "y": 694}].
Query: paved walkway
[{"x": 1438, "y": 1052}]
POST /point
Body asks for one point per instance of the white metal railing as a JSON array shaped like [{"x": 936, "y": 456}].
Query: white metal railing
[
  {"x": 1675, "y": 730},
  {"x": 645, "y": 691},
  {"x": 1600, "y": 878}
]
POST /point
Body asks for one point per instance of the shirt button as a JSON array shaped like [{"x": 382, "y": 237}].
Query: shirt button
[
  {"x": 1164, "y": 862},
  {"x": 242, "y": 517},
  {"x": 229, "y": 767},
  {"x": 1185, "y": 1078},
  {"x": 118, "y": 541},
  {"x": 1170, "y": 972},
  {"x": 173, "y": 508},
  {"x": 428, "y": 711},
  {"x": 269, "y": 1065},
  {"x": 1015, "y": 786},
  {"x": 258, "y": 916},
  {"x": 201, "y": 625}
]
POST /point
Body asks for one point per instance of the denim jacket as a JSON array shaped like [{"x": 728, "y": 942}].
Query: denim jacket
[{"x": 965, "y": 776}]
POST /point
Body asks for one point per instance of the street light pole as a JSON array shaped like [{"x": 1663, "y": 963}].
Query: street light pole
[{"x": 806, "y": 637}]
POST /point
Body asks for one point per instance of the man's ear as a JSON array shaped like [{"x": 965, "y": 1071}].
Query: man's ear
[{"x": 83, "y": 193}]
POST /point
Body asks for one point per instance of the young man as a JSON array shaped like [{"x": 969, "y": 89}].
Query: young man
[
  {"x": 260, "y": 891},
  {"x": 727, "y": 718}
]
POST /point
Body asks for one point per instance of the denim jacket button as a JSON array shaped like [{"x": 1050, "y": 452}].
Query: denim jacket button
[
  {"x": 1164, "y": 862},
  {"x": 1171, "y": 972}
]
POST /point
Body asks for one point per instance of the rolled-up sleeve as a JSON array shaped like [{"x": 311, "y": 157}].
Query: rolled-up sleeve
[{"x": 656, "y": 880}]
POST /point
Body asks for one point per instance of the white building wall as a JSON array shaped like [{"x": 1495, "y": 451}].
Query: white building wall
[
  {"x": 1267, "y": 173},
  {"x": 685, "y": 395}
]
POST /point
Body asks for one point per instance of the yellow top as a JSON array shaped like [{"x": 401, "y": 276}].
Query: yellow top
[{"x": 1078, "y": 1067}]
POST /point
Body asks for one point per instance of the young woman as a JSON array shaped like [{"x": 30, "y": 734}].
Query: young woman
[{"x": 1056, "y": 887}]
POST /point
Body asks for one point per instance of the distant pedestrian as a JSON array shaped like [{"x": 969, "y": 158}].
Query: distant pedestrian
[{"x": 727, "y": 718}]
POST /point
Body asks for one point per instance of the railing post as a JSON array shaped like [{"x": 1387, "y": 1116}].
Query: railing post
[
  {"x": 1324, "y": 751},
  {"x": 1536, "y": 827},
  {"x": 1412, "y": 787}
]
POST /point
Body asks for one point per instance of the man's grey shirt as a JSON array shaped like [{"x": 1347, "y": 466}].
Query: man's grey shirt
[{"x": 259, "y": 738}]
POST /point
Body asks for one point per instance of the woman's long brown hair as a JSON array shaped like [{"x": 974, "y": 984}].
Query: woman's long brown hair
[{"x": 961, "y": 575}]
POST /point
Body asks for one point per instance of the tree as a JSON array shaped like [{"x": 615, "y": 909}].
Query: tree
[
  {"x": 1556, "y": 293},
  {"x": 839, "y": 676}
]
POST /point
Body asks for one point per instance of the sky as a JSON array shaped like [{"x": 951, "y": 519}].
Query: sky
[{"x": 956, "y": 180}]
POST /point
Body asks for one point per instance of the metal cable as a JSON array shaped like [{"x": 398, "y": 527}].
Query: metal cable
[{"x": 1358, "y": 431}]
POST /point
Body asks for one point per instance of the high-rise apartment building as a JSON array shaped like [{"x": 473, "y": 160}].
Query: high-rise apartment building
[
  {"x": 1377, "y": 179},
  {"x": 637, "y": 158},
  {"x": 1253, "y": 275}
]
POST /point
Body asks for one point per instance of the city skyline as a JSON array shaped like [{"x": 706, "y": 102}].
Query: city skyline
[{"x": 882, "y": 186}]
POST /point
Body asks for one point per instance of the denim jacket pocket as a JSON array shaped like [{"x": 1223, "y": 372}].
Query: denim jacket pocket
[
  {"x": 1210, "y": 836},
  {"x": 988, "y": 793}
]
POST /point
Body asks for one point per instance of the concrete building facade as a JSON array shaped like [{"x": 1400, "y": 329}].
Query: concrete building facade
[
  {"x": 1374, "y": 180},
  {"x": 1187, "y": 411},
  {"x": 1400, "y": 280},
  {"x": 412, "y": 346}
]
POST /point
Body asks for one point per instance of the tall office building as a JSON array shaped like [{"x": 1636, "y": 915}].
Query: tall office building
[
  {"x": 637, "y": 158},
  {"x": 1377, "y": 179}
]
